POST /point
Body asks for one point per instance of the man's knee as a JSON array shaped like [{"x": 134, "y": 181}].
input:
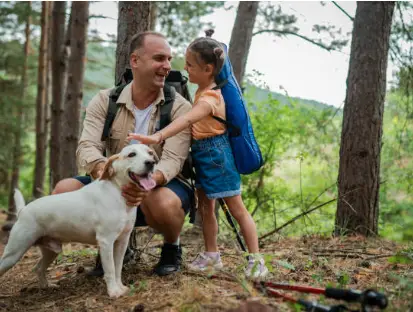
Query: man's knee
[
  {"x": 164, "y": 207},
  {"x": 67, "y": 185}
]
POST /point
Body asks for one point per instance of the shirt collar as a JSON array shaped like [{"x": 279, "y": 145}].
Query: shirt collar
[{"x": 125, "y": 97}]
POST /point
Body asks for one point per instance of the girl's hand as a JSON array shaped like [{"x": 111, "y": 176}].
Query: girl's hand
[{"x": 146, "y": 139}]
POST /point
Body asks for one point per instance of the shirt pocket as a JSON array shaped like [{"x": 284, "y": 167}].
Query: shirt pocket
[{"x": 114, "y": 141}]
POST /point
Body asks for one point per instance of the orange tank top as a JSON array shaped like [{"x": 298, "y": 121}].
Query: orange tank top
[{"x": 208, "y": 126}]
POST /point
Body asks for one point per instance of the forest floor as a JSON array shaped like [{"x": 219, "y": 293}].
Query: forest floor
[{"x": 316, "y": 261}]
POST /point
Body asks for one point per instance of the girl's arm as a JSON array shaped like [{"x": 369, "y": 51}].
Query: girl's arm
[{"x": 199, "y": 111}]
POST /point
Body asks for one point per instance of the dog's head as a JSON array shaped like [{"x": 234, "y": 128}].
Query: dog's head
[{"x": 135, "y": 163}]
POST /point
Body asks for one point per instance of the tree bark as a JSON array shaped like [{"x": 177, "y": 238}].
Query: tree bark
[
  {"x": 48, "y": 112},
  {"x": 58, "y": 74},
  {"x": 133, "y": 18},
  {"x": 153, "y": 15},
  {"x": 361, "y": 138},
  {"x": 241, "y": 37},
  {"x": 41, "y": 102},
  {"x": 74, "y": 95},
  {"x": 17, "y": 155}
]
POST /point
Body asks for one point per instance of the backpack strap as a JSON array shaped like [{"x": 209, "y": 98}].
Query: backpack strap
[
  {"x": 235, "y": 131},
  {"x": 112, "y": 110},
  {"x": 166, "y": 107}
]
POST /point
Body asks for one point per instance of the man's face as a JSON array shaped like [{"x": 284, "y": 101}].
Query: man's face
[{"x": 152, "y": 62}]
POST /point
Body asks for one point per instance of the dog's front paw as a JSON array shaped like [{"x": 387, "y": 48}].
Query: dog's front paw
[
  {"x": 125, "y": 289},
  {"x": 117, "y": 292}
]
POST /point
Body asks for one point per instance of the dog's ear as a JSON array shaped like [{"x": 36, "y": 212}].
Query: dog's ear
[
  {"x": 108, "y": 170},
  {"x": 153, "y": 153}
]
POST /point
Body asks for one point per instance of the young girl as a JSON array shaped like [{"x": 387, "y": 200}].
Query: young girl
[{"x": 216, "y": 174}]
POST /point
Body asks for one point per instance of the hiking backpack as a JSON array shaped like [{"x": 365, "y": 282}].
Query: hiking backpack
[{"x": 247, "y": 154}]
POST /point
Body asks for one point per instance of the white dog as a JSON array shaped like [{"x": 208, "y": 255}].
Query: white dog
[{"x": 95, "y": 214}]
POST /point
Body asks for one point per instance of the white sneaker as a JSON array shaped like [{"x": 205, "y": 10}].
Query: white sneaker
[
  {"x": 206, "y": 261},
  {"x": 256, "y": 267}
]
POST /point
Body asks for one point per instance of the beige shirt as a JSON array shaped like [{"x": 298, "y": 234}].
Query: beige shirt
[{"x": 172, "y": 153}]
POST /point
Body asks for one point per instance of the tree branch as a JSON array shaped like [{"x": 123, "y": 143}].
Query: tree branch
[
  {"x": 286, "y": 32},
  {"x": 403, "y": 24},
  {"x": 344, "y": 11},
  {"x": 295, "y": 218}
]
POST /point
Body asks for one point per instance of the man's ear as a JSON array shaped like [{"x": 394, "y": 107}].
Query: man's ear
[
  {"x": 133, "y": 59},
  {"x": 108, "y": 170}
]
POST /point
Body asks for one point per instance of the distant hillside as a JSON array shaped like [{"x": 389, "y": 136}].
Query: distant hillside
[
  {"x": 260, "y": 94},
  {"x": 100, "y": 72}
]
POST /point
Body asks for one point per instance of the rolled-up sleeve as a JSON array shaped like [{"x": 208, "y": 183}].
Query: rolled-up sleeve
[
  {"x": 90, "y": 148},
  {"x": 176, "y": 148}
]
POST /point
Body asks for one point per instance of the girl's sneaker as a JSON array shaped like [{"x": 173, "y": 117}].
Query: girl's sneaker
[
  {"x": 256, "y": 267},
  {"x": 206, "y": 261}
]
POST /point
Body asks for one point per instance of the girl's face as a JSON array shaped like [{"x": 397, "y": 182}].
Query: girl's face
[{"x": 198, "y": 72}]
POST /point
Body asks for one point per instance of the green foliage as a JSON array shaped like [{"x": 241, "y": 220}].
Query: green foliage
[
  {"x": 300, "y": 148},
  {"x": 397, "y": 168}
]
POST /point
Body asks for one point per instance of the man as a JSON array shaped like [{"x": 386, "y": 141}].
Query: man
[{"x": 165, "y": 207}]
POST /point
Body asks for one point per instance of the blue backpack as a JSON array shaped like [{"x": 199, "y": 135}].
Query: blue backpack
[{"x": 244, "y": 147}]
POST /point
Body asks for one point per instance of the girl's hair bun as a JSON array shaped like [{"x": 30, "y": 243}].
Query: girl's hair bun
[{"x": 209, "y": 32}]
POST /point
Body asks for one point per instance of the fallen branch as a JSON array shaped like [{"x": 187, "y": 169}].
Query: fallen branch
[
  {"x": 296, "y": 218},
  {"x": 379, "y": 256},
  {"x": 345, "y": 255},
  {"x": 342, "y": 251}
]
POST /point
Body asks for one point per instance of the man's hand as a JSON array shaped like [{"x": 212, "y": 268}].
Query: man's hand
[
  {"x": 98, "y": 170},
  {"x": 158, "y": 177},
  {"x": 133, "y": 194}
]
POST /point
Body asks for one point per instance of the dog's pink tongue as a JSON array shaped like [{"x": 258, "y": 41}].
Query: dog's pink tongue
[{"x": 147, "y": 183}]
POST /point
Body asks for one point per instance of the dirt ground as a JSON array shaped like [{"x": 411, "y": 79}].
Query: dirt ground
[{"x": 313, "y": 261}]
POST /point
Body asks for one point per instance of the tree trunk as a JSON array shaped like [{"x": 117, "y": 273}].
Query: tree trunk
[
  {"x": 74, "y": 94},
  {"x": 17, "y": 156},
  {"x": 40, "y": 165},
  {"x": 48, "y": 112},
  {"x": 133, "y": 18},
  {"x": 153, "y": 15},
  {"x": 58, "y": 73},
  {"x": 359, "y": 170},
  {"x": 241, "y": 37}
]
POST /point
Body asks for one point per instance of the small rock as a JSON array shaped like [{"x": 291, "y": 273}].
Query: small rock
[
  {"x": 241, "y": 296},
  {"x": 80, "y": 270},
  {"x": 139, "y": 308},
  {"x": 365, "y": 264}
]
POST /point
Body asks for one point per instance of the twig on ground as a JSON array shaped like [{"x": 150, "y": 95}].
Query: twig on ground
[
  {"x": 379, "y": 256},
  {"x": 345, "y": 255}
]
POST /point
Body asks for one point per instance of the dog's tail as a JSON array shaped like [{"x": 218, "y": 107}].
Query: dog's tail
[{"x": 19, "y": 200}]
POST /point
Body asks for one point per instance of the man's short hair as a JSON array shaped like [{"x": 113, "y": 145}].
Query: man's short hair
[{"x": 138, "y": 40}]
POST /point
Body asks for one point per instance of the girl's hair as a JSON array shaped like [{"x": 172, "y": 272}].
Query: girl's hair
[{"x": 209, "y": 51}]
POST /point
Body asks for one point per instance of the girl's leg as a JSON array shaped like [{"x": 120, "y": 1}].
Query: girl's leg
[
  {"x": 209, "y": 221},
  {"x": 210, "y": 259},
  {"x": 247, "y": 225},
  {"x": 256, "y": 265}
]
